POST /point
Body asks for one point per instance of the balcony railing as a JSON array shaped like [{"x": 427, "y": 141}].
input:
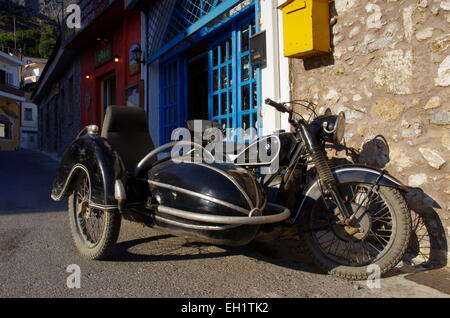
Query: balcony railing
[
  {"x": 10, "y": 50},
  {"x": 11, "y": 89}
]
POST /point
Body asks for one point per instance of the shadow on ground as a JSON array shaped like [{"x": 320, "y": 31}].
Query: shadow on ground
[
  {"x": 26, "y": 181},
  {"x": 284, "y": 253}
]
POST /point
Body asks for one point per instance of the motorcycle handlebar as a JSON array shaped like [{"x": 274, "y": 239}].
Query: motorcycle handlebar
[{"x": 279, "y": 106}]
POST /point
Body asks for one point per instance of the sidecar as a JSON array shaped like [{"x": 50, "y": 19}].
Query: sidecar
[{"x": 120, "y": 174}]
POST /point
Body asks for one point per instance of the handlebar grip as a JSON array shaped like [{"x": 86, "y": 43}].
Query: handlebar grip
[{"x": 279, "y": 106}]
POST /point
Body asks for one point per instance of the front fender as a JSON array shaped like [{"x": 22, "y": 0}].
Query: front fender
[
  {"x": 345, "y": 174},
  {"x": 103, "y": 166}
]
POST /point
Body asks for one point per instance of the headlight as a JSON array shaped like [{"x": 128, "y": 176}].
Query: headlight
[
  {"x": 340, "y": 128},
  {"x": 334, "y": 128}
]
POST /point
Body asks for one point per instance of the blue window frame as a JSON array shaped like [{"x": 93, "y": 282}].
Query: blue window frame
[
  {"x": 234, "y": 85},
  {"x": 172, "y": 110},
  {"x": 221, "y": 83}
]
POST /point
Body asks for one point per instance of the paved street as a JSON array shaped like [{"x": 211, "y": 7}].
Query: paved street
[{"x": 36, "y": 248}]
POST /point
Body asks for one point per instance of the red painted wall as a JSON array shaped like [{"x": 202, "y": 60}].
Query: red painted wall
[{"x": 124, "y": 32}]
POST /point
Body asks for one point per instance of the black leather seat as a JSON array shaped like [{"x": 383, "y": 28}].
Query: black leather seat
[{"x": 126, "y": 128}]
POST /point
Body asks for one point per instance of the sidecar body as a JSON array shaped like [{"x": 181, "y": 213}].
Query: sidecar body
[{"x": 218, "y": 203}]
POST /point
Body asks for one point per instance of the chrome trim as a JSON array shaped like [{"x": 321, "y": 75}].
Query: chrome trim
[
  {"x": 259, "y": 163},
  {"x": 204, "y": 149},
  {"x": 241, "y": 220},
  {"x": 199, "y": 195},
  {"x": 196, "y": 227},
  {"x": 162, "y": 148},
  {"x": 103, "y": 207},
  {"x": 119, "y": 191},
  {"x": 92, "y": 130},
  {"x": 226, "y": 175}
]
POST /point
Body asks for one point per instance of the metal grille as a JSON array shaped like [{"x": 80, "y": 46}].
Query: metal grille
[
  {"x": 158, "y": 19},
  {"x": 168, "y": 19},
  {"x": 187, "y": 12}
]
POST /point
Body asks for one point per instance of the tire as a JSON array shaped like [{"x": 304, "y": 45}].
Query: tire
[
  {"x": 387, "y": 260},
  {"x": 107, "y": 236}
]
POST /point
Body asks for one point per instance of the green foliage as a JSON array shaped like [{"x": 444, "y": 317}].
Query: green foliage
[
  {"x": 36, "y": 34},
  {"x": 36, "y": 43}
]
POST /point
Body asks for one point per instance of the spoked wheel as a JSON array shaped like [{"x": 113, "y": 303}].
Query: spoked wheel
[
  {"x": 94, "y": 231},
  {"x": 379, "y": 234}
]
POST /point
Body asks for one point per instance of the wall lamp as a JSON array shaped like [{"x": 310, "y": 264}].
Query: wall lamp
[
  {"x": 137, "y": 54},
  {"x": 116, "y": 59},
  {"x": 88, "y": 76}
]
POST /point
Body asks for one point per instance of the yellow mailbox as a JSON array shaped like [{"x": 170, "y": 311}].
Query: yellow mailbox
[{"x": 306, "y": 27}]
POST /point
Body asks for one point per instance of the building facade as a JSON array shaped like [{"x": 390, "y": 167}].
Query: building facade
[
  {"x": 57, "y": 97},
  {"x": 92, "y": 68},
  {"x": 199, "y": 65},
  {"x": 11, "y": 98},
  {"x": 109, "y": 73}
]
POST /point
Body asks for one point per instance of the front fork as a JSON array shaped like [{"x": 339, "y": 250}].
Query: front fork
[{"x": 320, "y": 161}]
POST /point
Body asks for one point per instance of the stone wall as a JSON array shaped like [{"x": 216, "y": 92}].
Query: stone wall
[
  {"x": 59, "y": 112},
  {"x": 390, "y": 73}
]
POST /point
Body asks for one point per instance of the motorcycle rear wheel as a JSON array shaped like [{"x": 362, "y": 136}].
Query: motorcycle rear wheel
[
  {"x": 381, "y": 233},
  {"x": 94, "y": 231}
]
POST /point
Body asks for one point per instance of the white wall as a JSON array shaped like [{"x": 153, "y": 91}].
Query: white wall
[
  {"x": 275, "y": 77},
  {"x": 11, "y": 65},
  {"x": 14, "y": 70},
  {"x": 33, "y": 123}
]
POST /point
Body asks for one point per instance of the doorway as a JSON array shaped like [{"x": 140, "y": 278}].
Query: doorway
[
  {"x": 109, "y": 97},
  {"x": 197, "y": 107}
]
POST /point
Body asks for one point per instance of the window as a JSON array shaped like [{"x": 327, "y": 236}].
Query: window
[
  {"x": 28, "y": 114},
  {"x": 234, "y": 99},
  {"x": 5, "y": 127},
  {"x": 109, "y": 92},
  {"x": 6, "y": 78},
  {"x": 3, "y": 130},
  {"x": 3, "y": 79}
]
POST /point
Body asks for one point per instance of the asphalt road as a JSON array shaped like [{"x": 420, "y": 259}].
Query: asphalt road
[{"x": 36, "y": 248}]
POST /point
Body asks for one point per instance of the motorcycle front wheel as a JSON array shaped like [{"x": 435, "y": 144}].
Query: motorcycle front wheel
[
  {"x": 378, "y": 236},
  {"x": 94, "y": 231}
]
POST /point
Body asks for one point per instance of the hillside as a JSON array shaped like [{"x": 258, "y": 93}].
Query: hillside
[{"x": 36, "y": 33}]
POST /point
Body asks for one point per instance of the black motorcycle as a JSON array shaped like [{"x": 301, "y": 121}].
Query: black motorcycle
[{"x": 349, "y": 216}]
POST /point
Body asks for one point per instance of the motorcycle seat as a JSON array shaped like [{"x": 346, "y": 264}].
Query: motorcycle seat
[{"x": 126, "y": 129}]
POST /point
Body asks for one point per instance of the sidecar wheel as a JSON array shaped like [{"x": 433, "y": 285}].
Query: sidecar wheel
[
  {"x": 380, "y": 237},
  {"x": 94, "y": 231}
]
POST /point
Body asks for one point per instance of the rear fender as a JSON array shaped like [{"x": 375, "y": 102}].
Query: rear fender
[
  {"x": 345, "y": 174},
  {"x": 96, "y": 158}
]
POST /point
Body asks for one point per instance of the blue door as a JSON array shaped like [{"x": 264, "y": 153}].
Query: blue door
[
  {"x": 172, "y": 98},
  {"x": 234, "y": 99}
]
